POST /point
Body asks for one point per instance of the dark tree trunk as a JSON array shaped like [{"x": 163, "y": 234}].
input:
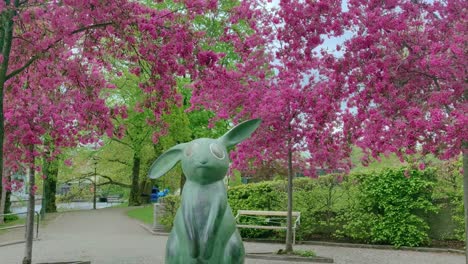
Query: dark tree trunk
[
  {"x": 30, "y": 218},
  {"x": 51, "y": 187},
  {"x": 465, "y": 194},
  {"x": 289, "y": 232},
  {"x": 5, "y": 203},
  {"x": 8, "y": 202},
  {"x": 3, "y": 194},
  {"x": 134, "y": 198},
  {"x": 6, "y": 38},
  {"x": 2, "y": 204},
  {"x": 145, "y": 190}
]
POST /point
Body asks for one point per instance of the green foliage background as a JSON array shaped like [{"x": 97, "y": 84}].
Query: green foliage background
[{"x": 390, "y": 206}]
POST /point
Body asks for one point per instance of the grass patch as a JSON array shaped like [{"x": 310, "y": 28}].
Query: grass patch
[
  {"x": 18, "y": 221},
  {"x": 305, "y": 253},
  {"x": 144, "y": 214},
  {"x": 14, "y": 222},
  {"x": 120, "y": 205},
  {"x": 301, "y": 253}
]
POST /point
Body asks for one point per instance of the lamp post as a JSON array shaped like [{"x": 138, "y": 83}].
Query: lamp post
[
  {"x": 94, "y": 182},
  {"x": 43, "y": 201}
]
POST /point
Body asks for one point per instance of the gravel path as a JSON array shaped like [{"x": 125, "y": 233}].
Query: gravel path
[{"x": 108, "y": 236}]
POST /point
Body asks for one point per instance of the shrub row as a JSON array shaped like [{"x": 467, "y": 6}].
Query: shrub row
[{"x": 385, "y": 207}]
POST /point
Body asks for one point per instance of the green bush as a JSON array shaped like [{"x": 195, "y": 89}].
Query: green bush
[
  {"x": 257, "y": 196},
  {"x": 386, "y": 207},
  {"x": 450, "y": 188},
  {"x": 171, "y": 204},
  {"x": 10, "y": 218},
  {"x": 319, "y": 201},
  {"x": 267, "y": 196},
  {"x": 448, "y": 222},
  {"x": 389, "y": 207}
]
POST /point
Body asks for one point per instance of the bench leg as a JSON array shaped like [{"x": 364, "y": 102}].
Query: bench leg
[{"x": 294, "y": 236}]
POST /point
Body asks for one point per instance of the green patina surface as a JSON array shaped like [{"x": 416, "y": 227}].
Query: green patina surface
[{"x": 204, "y": 227}]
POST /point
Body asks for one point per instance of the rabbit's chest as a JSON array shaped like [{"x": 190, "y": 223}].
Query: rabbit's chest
[
  {"x": 204, "y": 208},
  {"x": 202, "y": 205}
]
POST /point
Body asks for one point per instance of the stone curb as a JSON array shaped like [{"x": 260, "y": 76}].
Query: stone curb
[
  {"x": 150, "y": 230},
  {"x": 72, "y": 262},
  {"x": 16, "y": 242},
  {"x": 387, "y": 247},
  {"x": 336, "y": 244},
  {"x": 371, "y": 246},
  {"x": 266, "y": 256},
  {"x": 272, "y": 256}
]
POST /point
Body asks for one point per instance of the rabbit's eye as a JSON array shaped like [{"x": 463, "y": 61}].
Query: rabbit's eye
[
  {"x": 190, "y": 149},
  {"x": 217, "y": 151}
]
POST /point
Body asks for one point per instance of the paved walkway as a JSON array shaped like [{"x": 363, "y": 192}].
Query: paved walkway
[{"x": 108, "y": 236}]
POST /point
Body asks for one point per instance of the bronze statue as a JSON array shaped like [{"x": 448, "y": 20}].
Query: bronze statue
[{"x": 204, "y": 227}]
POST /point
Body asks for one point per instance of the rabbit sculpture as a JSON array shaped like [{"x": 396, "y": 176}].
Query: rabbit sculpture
[{"x": 204, "y": 229}]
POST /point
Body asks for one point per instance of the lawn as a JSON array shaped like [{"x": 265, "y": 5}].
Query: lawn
[
  {"x": 19, "y": 221},
  {"x": 144, "y": 214}
]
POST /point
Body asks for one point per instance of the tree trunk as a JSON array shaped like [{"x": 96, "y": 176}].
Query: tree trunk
[
  {"x": 6, "y": 38},
  {"x": 145, "y": 190},
  {"x": 465, "y": 194},
  {"x": 49, "y": 187},
  {"x": 7, "y": 202},
  {"x": 4, "y": 199},
  {"x": 2, "y": 203},
  {"x": 30, "y": 218},
  {"x": 3, "y": 196},
  {"x": 289, "y": 222},
  {"x": 134, "y": 198}
]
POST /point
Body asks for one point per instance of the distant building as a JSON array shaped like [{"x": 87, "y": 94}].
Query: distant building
[{"x": 64, "y": 188}]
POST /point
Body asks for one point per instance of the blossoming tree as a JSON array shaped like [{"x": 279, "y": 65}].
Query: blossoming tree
[
  {"x": 55, "y": 58},
  {"x": 299, "y": 117},
  {"x": 401, "y": 78}
]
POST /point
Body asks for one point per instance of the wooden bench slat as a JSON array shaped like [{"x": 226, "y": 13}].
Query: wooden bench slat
[
  {"x": 262, "y": 227},
  {"x": 267, "y": 213}
]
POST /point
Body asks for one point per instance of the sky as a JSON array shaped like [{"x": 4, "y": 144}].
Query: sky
[{"x": 330, "y": 43}]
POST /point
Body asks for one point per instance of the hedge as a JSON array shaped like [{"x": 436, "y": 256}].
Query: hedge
[{"x": 384, "y": 207}]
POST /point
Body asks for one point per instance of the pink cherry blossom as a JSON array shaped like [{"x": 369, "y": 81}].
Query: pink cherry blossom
[{"x": 422, "y": 166}]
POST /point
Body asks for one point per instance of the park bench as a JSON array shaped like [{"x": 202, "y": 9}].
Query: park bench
[{"x": 272, "y": 220}]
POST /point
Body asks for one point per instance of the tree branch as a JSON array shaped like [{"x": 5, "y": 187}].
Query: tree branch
[
  {"x": 17, "y": 71},
  {"x": 88, "y": 176},
  {"x": 121, "y": 142},
  {"x": 37, "y": 56},
  {"x": 82, "y": 177},
  {"x": 119, "y": 161},
  {"x": 105, "y": 24},
  {"x": 111, "y": 181}
]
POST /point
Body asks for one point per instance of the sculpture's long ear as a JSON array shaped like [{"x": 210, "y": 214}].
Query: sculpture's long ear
[
  {"x": 240, "y": 132},
  {"x": 166, "y": 161}
]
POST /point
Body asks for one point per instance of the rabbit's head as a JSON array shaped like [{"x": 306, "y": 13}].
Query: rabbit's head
[{"x": 204, "y": 160}]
